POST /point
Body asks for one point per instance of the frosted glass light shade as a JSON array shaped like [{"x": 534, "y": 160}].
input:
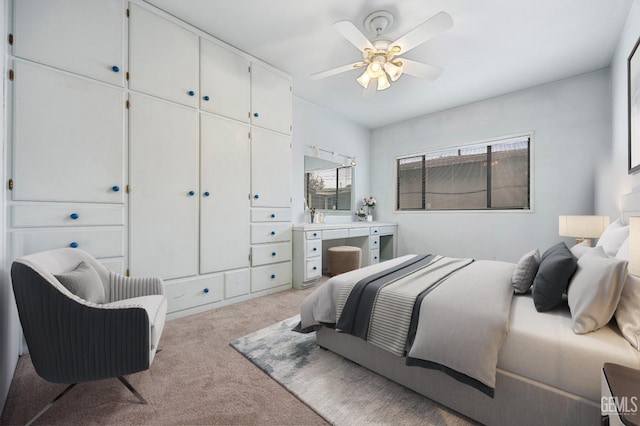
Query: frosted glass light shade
[
  {"x": 383, "y": 82},
  {"x": 582, "y": 226},
  {"x": 364, "y": 79}
]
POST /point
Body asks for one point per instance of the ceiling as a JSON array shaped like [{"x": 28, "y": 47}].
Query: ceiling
[{"x": 495, "y": 46}]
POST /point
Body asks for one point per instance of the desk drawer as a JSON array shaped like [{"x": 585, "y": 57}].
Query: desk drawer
[
  {"x": 313, "y": 235},
  {"x": 270, "y": 232},
  {"x": 387, "y": 230},
  {"x": 333, "y": 234},
  {"x": 270, "y": 276},
  {"x": 271, "y": 253},
  {"x": 374, "y": 242},
  {"x": 359, "y": 232},
  {"x": 375, "y": 230},
  {"x": 99, "y": 242},
  {"x": 374, "y": 256},
  {"x": 32, "y": 215},
  {"x": 313, "y": 269},
  {"x": 313, "y": 248}
]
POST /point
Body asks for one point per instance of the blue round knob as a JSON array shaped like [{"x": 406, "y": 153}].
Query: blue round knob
[
  {"x": 273, "y": 232},
  {"x": 74, "y": 216},
  {"x": 206, "y": 193},
  {"x": 115, "y": 68},
  {"x": 256, "y": 196},
  {"x": 315, "y": 267},
  {"x": 191, "y": 93},
  {"x": 73, "y": 245},
  {"x": 255, "y": 114},
  {"x": 115, "y": 188},
  {"x": 192, "y": 193},
  {"x": 375, "y": 257},
  {"x": 273, "y": 276},
  {"x": 375, "y": 232},
  {"x": 206, "y": 290},
  {"x": 315, "y": 234},
  {"x": 315, "y": 249},
  {"x": 375, "y": 242},
  {"x": 273, "y": 215},
  {"x": 273, "y": 253},
  {"x": 206, "y": 98}
]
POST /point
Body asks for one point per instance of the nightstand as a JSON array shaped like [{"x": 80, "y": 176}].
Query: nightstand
[{"x": 620, "y": 402}]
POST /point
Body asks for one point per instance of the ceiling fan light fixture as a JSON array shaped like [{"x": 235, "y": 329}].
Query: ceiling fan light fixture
[
  {"x": 394, "y": 70},
  {"x": 383, "y": 82},
  {"x": 364, "y": 79}
]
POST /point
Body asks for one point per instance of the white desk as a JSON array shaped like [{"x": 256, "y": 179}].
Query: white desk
[{"x": 377, "y": 240}]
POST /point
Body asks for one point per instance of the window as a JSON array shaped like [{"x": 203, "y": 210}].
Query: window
[
  {"x": 494, "y": 175},
  {"x": 329, "y": 189}
]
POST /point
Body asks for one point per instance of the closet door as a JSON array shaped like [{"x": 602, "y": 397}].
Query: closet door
[
  {"x": 225, "y": 82},
  {"x": 68, "y": 142},
  {"x": 163, "y": 175},
  {"x": 271, "y": 100},
  {"x": 82, "y": 36},
  {"x": 163, "y": 58},
  {"x": 270, "y": 169},
  {"x": 224, "y": 183}
]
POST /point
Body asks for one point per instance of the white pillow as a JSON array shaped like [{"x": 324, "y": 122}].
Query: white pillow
[
  {"x": 578, "y": 250},
  {"x": 525, "y": 271},
  {"x": 613, "y": 237},
  {"x": 623, "y": 251},
  {"x": 594, "y": 290},
  {"x": 628, "y": 312}
]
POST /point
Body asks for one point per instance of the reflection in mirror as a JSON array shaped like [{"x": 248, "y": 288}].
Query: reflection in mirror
[{"x": 327, "y": 184}]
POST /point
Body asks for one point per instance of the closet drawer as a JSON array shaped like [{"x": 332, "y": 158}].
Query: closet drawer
[
  {"x": 24, "y": 216},
  {"x": 270, "y": 232},
  {"x": 313, "y": 248},
  {"x": 271, "y": 253},
  {"x": 99, "y": 242},
  {"x": 271, "y": 215},
  {"x": 184, "y": 294},
  {"x": 236, "y": 283},
  {"x": 266, "y": 277},
  {"x": 313, "y": 269}
]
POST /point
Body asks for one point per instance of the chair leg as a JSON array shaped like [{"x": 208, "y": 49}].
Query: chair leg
[
  {"x": 49, "y": 405},
  {"x": 132, "y": 389}
]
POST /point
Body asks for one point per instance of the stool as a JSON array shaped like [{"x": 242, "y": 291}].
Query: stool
[{"x": 344, "y": 259}]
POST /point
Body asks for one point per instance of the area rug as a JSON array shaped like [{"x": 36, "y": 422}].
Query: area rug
[{"x": 341, "y": 391}]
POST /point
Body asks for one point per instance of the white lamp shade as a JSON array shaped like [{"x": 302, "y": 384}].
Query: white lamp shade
[
  {"x": 634, "y": 245},
  {"x": 582, "y": 226}
]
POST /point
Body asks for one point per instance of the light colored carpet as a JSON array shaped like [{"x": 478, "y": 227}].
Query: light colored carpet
[{"x": 341, "y": 391}]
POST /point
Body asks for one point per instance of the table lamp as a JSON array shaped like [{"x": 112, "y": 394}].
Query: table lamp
[{"x": 583, "y": 228}]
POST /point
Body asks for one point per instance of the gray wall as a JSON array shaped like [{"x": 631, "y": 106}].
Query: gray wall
[
  {"x": 570, "y": 120},
  {"x": 613, "y": 179},
  {"x": 9, "y": 324},
  {"x": 315, "y": 126}
]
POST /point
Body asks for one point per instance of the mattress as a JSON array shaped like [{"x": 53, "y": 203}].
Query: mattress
[{"x": 542, "y": 347}]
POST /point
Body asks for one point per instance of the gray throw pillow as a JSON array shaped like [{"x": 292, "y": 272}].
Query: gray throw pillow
[
  {"x": 525, "y": 271},
  {"x": 84, "y": 282},
  {"x": 557, "y": 266}
]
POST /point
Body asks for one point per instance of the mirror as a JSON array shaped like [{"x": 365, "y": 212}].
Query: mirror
[{"x": 328, "y": 184}]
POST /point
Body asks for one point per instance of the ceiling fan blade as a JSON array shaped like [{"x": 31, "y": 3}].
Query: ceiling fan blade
[
  {"x": 370, "y": 91},
  {"x": 420, "y": 70},
  {"x": 351, "y": 33},
  {"x": 338, "y": 70},
  {"x": 430, "y": 28}
]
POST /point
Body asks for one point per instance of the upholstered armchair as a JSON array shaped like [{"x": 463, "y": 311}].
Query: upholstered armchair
[{"x": 83, "y": 322}]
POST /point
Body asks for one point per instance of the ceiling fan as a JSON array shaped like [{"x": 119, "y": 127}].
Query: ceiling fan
[{"x": 380, "y": 56}]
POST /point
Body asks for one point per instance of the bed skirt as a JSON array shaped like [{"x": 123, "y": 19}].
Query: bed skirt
[{"x": 517, "y": 399}]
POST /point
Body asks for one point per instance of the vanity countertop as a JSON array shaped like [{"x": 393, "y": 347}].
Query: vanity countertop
[{"x": 347, "y": 225}]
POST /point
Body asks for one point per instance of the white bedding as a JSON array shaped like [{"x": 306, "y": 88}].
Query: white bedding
[{"x": 539, "y": 346}]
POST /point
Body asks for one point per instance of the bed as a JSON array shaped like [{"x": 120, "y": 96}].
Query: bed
[{"x": 546, "y": 365}]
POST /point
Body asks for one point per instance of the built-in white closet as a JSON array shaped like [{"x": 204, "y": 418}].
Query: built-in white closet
[{"x": 155, "y": 147}]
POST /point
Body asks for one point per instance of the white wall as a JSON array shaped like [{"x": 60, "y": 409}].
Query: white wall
[
  {"x": 571, "y": 121},
  {"x": 613, "y": 179},
  {"x": 315, "y": 126}
]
